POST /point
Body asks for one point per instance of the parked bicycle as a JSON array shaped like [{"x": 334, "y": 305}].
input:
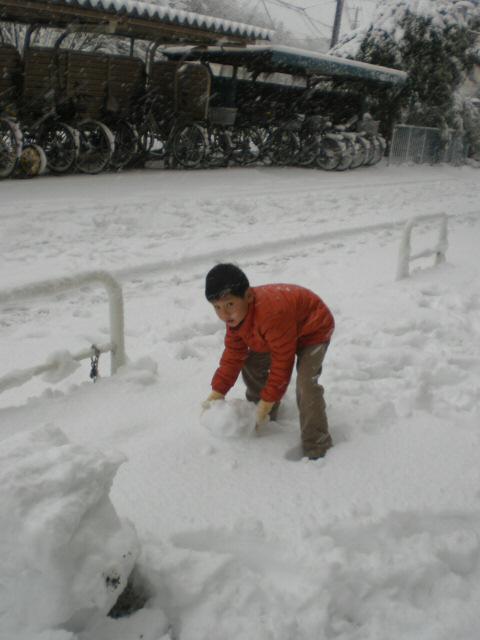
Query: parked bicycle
[
  {"x": 126, "y": 138},
  {"x": 17, "y": 149},
  {"x": 167, "y": 136},
  {"x": 332, "y": 149},
  {"x": 57, "y": 140},
  {"x": 10, "y": 144},
  {"x": 368, "y": 128},
  {"x": 219, "y": 139}
]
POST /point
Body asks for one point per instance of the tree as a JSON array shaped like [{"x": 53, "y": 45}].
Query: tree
[{"x": 434, "y": 42}]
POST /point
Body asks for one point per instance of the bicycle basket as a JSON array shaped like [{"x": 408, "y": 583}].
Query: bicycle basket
[{"x": 222, "y": 115}]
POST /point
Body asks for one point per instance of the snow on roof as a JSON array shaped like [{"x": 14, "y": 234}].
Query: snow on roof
[
  {"x": 152, "y": 11},
  {"x": 333, "y": 64},
  {"x": 290, "y": 59}
]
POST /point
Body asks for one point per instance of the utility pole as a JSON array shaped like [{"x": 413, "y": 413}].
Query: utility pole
[
  {"x": 336, "y": 24},
  {"x": 355, "y": 22}
]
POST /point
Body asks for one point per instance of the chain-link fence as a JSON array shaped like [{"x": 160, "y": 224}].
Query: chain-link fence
[{"x": 426, "y": 145}]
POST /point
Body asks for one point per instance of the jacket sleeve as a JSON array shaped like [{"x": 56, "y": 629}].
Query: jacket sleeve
[
  {"x": 280, "y": 333},
  {"x": 231, "y": 363}
]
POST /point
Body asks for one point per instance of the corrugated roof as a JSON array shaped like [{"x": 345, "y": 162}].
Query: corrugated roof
[{"x": 150, "y": 12}]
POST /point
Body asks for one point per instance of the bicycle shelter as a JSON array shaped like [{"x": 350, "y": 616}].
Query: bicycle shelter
[
  {"x": 205, "y": 40},
  {"x": 102, "y": 78},
  {"x": 101, "y": 58}
]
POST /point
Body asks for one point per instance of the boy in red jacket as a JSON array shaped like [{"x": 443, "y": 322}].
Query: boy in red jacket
[{"x": 266, "y": 327}]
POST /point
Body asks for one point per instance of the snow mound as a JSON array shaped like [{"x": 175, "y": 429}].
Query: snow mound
[
  {"x": 63, "y": 549},
  {"x": 230, "y": 419},
  {"x": 65, "y": 366}
]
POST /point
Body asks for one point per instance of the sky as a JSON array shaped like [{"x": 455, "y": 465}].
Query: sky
[{"x": 316, "y": 18}]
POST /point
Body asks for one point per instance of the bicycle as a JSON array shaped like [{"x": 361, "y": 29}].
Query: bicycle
[
  {"x": 17, "y": 149},
  {"x": 283, "y": 144},
  {"x": 248, "y": 136},
  {"x": 94, "y": 140},
  {"x": 247, "y": 144},
  {"x": 126, "y": 139},
  {"x": 332, "y": 149},
  {"x": 219, "y": 140},
  {"x": 56, "y": 140},
  {"x": 361, "y": 144},
  {"x": 11, "y": 143},
  {"x": 368, "y": 127},
  {"x": 280, "y": 139},
  {"x": 168, "y": 136}
]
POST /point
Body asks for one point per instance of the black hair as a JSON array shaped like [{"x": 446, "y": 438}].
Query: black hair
[{"x": 223, "y": 279}]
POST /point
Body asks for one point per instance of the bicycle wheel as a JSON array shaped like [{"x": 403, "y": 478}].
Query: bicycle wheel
[
  {"x": 189, "y": 145},
  {"x": 10, "y": 147},
  {"x": 126, "y": 144},
  {"x": 219, "y": 147},
  {"x": 330, "y": 154},
  {"x": 96, "y": 147},
  {"x": 60, "y": 143},
  {"x": 348, "y": 155},
  {"x": 371, "y": 151},
  {"x": 265, "y": 133},
  {"x": 152, "y": 145},
  {"x": 33, "y": 160},
  {"x": 361, "y": 152},
  {"x": 380, "y": 146},
  {"x": 282, "y": 146},
  {"x": 309, "y": 149},
  {"x": 247, "y": 145}
]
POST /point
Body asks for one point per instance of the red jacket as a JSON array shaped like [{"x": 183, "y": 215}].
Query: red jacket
[{"x": 281, "y": 319}]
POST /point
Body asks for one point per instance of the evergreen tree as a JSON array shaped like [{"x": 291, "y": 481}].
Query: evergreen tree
[
  {"x": 435, "y": 61},
  {"x": 436, "y": 49}
]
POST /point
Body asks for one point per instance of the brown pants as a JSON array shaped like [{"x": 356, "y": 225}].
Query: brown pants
[{"x": 311, "y": 404}]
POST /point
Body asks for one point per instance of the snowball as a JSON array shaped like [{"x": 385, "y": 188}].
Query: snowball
[{"x": 230, "y": 419}]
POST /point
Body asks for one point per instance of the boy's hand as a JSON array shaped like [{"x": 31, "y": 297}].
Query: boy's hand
[
  {"x": 263, "y": 409},
  {"x": 215, "y": 395}
]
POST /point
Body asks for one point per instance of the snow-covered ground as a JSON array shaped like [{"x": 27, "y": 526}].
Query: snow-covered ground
[{"x": 239, "y": 538}]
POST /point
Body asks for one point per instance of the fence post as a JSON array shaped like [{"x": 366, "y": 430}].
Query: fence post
[{"x": 404, "y": 255}]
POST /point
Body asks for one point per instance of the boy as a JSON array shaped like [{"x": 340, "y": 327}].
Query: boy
[{"x": 266, "y": 327}]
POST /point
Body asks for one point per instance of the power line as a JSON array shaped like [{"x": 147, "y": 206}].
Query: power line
[
  {"x": 316, "y": 26},
  {"x": 302, "y": 13}
]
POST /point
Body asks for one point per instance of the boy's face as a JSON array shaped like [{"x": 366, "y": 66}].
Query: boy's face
[{"x": 233, "y": 309}]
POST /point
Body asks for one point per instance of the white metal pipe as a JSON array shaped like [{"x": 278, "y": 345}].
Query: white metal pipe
[
  {"x": 20, "y": 376},
  {"x": 405, "y": 257}
]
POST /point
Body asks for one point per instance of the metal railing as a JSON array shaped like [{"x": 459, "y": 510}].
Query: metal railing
[
  {"x": 47, "y": 288},
  {"x": 405, "y": 256},
  {"x": 426, "y": 145}
]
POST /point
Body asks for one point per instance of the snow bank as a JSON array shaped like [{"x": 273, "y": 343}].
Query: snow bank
[
  {"x": 380, "y": 539},
  {"x": 65, "y": 556}
]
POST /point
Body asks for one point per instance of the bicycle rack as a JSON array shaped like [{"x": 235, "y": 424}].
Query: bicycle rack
[
  {"x": 55, "y": 286},
  {"x": 405, "y": 257}
]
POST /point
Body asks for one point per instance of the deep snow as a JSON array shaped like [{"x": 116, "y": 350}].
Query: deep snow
[{"x": 237, "y": 537}]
